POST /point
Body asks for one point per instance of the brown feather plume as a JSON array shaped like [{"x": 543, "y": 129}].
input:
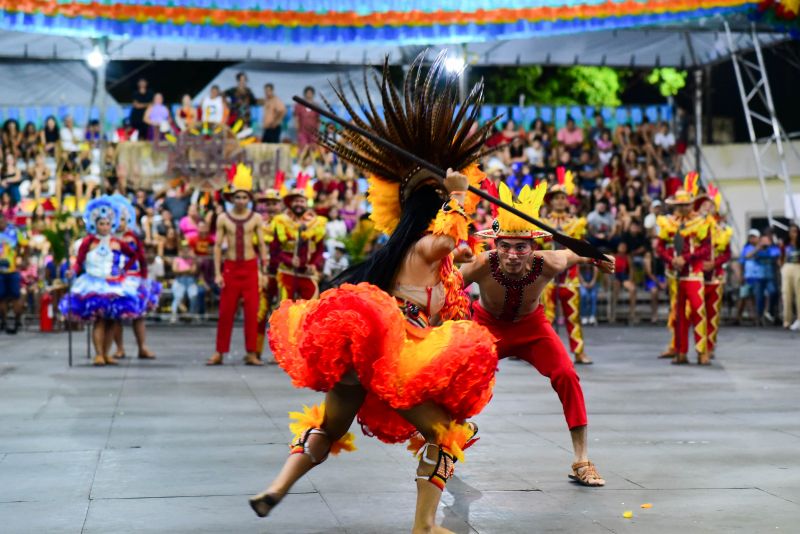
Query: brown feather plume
[{"x": 427, "y": 120}]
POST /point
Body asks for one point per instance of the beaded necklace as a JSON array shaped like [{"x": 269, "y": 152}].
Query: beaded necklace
[{"x": 514, "y": 289}]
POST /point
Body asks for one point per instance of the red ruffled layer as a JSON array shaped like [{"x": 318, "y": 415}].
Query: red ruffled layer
[{"x": 360, "y": 328}]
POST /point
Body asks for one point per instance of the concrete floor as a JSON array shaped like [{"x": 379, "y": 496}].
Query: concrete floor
[{"x": 173, "y": 446}]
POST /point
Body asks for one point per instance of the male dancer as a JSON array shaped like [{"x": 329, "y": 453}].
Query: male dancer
[
  {"x": 714, "y": 268},
  {"x": 684, "y": 242},
  {"x": 295, "y": 253},
  {"x": 511, "y": 279},
  {"x": 565, "y": 288},
  {"x": 238, "y": 277},
  {"x": 268, "y": 205}
]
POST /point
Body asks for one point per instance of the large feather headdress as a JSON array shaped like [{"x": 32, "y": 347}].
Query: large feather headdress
[{"x": 427, "y": 120}]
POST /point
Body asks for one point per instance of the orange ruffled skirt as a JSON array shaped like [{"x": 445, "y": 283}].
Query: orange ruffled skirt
[{"x": 360, "y": 328}]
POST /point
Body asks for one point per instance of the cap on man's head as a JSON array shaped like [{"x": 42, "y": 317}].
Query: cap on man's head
[
  {"x": 753, "y": 233},
  {"x": 656, "y": 203}
]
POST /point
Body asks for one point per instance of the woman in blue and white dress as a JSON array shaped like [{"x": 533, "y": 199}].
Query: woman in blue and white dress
[
  {"x": 102, "y": 293},
  {"x": 149, "y": 290}
]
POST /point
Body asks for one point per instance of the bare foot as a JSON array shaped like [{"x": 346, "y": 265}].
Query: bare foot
[
  {"x": 145, "y": 354},
  {"x": 435, "y": 529},
  {"x": 252, "y": 359},
  {"x": 215, "y": 359},
  {"x": 120, "y": 354},
  {"x": 583, "y": 359},
  {"x": 263, "y": 503}
]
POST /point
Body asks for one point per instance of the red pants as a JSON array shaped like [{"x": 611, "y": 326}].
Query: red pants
[
  {"x": 241, "y": 281},
  {"x": 296, "y": 287},
  {"x": 690, "y": 308},
  {"x": 533, "y": 339},
  {"x": 713, "y": 296},
  {"x": 570, "y": 298}
]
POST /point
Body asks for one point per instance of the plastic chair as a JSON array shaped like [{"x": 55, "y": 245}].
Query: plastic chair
[
  {"x": 622, "y": 116},
  {"x": 577, "y": 114},
  {"x": 487, "y": 113},
  {"x": 518, "y": 115},
  {"x": 546, "y": 113},
  {"x": 636, "y": 115}
]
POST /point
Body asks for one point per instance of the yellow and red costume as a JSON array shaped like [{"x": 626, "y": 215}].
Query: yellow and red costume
[
  {"x": 269, "y": 293},
  {"x": 301, "y": 237},
  {"x": 565, "y": 288},
  {"x": 714, "y": 279},
  {"x": 689, "y": 237}
]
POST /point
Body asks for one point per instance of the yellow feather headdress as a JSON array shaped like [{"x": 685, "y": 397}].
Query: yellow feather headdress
[
  {"x": 565, "y": 183},
  {"x": 687, "y": 193},
  {"x": 508, "y": 225}
]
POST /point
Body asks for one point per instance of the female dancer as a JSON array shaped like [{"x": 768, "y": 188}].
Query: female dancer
[
  {"x": 102, "y": 293},
  {"x": 149, "y": 290},
  {"x": 392, "y": 349}
]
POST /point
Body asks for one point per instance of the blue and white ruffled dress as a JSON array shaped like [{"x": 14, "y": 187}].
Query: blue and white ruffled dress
[{"x": 103, "y": 291}]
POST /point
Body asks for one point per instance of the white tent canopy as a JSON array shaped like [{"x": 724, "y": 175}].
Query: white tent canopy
[
  {"x": 66, "y": 83},
  {"x": 645, "y": 47}
]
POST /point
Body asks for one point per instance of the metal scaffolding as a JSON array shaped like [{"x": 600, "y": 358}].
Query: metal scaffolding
[{"x": 755, "y": 85}]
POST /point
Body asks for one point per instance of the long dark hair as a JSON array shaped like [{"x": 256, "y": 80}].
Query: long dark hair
[{"x": 381, "y": 268}]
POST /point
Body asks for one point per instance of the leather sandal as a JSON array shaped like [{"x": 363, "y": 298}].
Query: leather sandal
[{"x": 583, "y": 472}]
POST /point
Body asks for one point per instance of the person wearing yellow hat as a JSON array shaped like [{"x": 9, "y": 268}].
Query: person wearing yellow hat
[
  {"x": 268, "y": 205},
  {"x": 565, "y": 288},
  {"x": 236, "y": 269},
  {"x": 296, "y": 248},
  {"x": 684, "y": 243},
  {"x": 511, "y": 278},
  {"x": 714, "y": 267}
]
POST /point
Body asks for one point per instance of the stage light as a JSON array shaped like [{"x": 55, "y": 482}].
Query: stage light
[
  {"x": 454, "y": 64},
  {"x": 95, "y": 58}
]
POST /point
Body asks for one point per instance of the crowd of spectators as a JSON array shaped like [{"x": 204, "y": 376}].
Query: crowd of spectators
[{"x": 623, "y": 175}]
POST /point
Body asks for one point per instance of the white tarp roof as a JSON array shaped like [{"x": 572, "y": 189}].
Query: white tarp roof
[
  {"x": 645, "y": 47},
  {"x": 30, "y": 83}
]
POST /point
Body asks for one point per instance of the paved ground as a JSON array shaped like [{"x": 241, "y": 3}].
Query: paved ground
[{"x": 173, "y": 446}]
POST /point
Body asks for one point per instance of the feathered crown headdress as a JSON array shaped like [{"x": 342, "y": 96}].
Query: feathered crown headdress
[
  {"x": 240, "y": 178},
  {"x": 427, "y": 120},
  {"x": 100, "y": 208},
  {"x": 715, "y": 195},
  {"x": 509, "y": 225},
  {"x": 565, "y": 183},
  {"x": 686, "y": 194},
  {"x": 126, "y": 210}
]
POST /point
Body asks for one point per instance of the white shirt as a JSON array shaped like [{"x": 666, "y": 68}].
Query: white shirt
[
  {"x": 71, "y": 138},
  {"x": 213, "y": 110},
  {"x": 665, "y": 141},
  {"x": 333, "y": 267}
]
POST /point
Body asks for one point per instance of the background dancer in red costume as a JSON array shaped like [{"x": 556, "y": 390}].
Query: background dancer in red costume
[
  {"x": 511, "y": 279},
  {"x": 238, "y": 276}
]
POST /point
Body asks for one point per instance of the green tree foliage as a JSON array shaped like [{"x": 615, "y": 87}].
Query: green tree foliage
[
  {"x": 669, "y": 81},
  {"x": 593, "y": 86}
]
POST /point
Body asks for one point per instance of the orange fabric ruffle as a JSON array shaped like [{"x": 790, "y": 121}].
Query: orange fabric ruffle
[{"x": 360, "y": 328}]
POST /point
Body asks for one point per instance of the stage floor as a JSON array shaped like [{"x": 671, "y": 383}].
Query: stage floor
[{"x": 173, "y": 446}]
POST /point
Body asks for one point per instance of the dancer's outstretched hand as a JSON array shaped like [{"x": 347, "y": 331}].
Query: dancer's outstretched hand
[{"x": 606, "y": 266}]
